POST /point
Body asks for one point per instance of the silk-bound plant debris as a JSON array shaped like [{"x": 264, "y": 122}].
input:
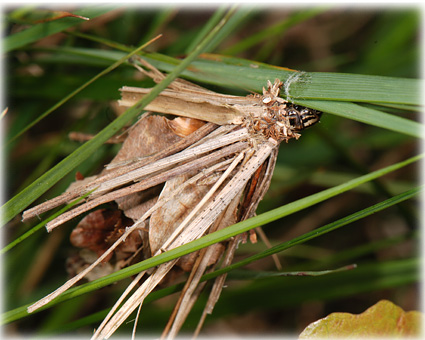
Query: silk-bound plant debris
[
  {"x": 164, "y": 173},
  {"x": 215, "y": 175}
]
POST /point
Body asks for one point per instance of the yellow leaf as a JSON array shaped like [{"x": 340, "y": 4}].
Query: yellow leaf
[{"x": 384, "y": 319}]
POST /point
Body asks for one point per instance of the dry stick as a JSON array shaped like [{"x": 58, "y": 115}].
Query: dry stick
[
  {"x": 258, "y": 196},
  {"x": 136, "y": 321},
  {"x": 197, "y": 94},
  {"x": 69, "y": 195},
  {"x": 218, "y": 284},
  {"x": 168, "y": 162},
  {"x": 209, "y": 194},
  {"x": 50, "y": 204},
  {"x": 202, "y": 174},
  {"x": 219, "y": 281},
  {"x": 199, "y": 105},
  {"x": 128, "y": 231},
  {"x": 147, "y": 183},
  {"x": 82, "y": 137},
  {"x": 122, "y": 297},
  {"x": 210, "y": 159},
  {"x": 266, "y": 241},
  {"x": 200, "y": 224},
  {"x": 186, "y": 289},
  {"x": 182, "y": 225},
  {"x": 160, "y": 203},
  {"x": 175, "y": 148},
  {"x": 263, "y": 186},
  {"x": 135, "y": 300},
  {"x": 219, "y": 132},
  {"x": 189, "y": 297},
  {"x": 202, "y": 259},
  {"x": 80, "y": 275}
]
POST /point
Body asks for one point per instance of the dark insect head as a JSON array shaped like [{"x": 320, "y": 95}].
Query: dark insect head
[{"x": 301, "y": 117}]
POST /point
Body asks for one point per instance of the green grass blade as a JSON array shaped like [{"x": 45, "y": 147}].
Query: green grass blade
[
  {"x": 292, "y": 291},
  {"x": 255, "y": 274},
  {"x": 246, "y": 74},
  {"x": 160, "y": 19},
  {"x": 43, "y": 30},
  {"x": 363, "y": 250},
  {"x": 42, "y": 224},
  {"x": 212, "y": 22},
  {"x": 330, "y": 94},
  {"x": 268, "y": 217},
  {"x": 78, "y": 90},
  {"x": 266, "y": 34},
  {"x": 356, "y": 87},
  {"x": 367, "y": 115},
  {"x": 252, "y": 76},
  {"x": 240, "y": 16},
  {"x": 236, "y": 229},
  {"x": 20, "y": 201},
  {"x": 323, "y": 230},
  {"x": 365, "y": 278}
]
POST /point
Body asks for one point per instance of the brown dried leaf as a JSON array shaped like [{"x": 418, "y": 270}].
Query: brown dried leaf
[
  {"x": 99, "y": 229},
  {"x": 148, "y": 136},
  {"x": 95, "y": 234},
  {"x": 167, "y": 218},
  {"x": 164, "y": 221},
  {"x": 80, "y": 261},
  {"x": 204, "y": 258}
]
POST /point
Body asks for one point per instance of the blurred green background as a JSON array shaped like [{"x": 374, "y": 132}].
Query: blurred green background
[{"x": 372, "y": 41}]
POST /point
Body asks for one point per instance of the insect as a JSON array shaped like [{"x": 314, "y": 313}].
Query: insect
[
  {"x": 301, "y": 117},
  {"x": 211, "y": 174}
]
